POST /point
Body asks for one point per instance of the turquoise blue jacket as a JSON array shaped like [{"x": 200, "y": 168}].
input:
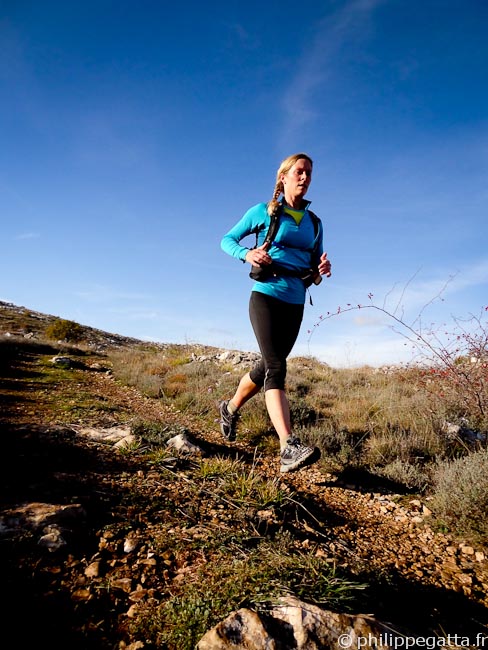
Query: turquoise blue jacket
[{"x": 292, "y": 248}]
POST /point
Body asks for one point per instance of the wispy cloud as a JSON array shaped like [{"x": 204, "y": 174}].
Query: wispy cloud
[
  {"x": 246, "y": 38},
  {"x": 475, "y": 275},
  {"x": 27, "y": 235},
  {"x": 379, "y": 333},
  {"x": 417, "y": 294},
  {"x": 370, "y": 319},
  {"x": 334, "y": 32},
  {"x": 358, "y": 349},
  {"x": 105, "y": 294},
  {"x": 136, "y": 314}
]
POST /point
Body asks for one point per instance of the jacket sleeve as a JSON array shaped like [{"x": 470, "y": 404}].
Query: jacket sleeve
[{"x": 253, "y": 220}]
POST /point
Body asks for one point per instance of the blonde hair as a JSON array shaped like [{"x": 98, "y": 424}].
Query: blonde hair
[{"x": 284, "y": 168}]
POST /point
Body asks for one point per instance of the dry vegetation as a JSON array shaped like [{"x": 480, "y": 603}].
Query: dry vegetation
[
  {"x": 417, "y": 430},
  {"x": 411, "y": 425}
]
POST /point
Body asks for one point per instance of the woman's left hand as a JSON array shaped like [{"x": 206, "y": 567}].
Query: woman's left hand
[{"x": 325, "y": 265}]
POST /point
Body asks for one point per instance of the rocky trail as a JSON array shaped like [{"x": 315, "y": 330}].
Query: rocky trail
[{"x": 84, "y": 591}]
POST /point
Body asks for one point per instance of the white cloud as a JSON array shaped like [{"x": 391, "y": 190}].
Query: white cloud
[
  {"x": 471, "y": 276},
  {"x": 27, "y": 235},
  {"x": 398, "y": 326},
  {"x": 355, "y": 350},
  {"x": 334, "y": 32},
  {"x": 368, "y": 320},
  {"x": 416, "y": 296},
  {"x": 101, "y": 293},
  {"x": 137, "y": 314}
]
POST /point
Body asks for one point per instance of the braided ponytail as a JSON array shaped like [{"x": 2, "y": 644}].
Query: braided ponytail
[
  {"x": 274, "y": 204},
  {"x": 284, "y": 168}
]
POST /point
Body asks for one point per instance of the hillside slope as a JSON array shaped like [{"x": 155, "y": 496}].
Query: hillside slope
[{"x": 144, "y": 530}]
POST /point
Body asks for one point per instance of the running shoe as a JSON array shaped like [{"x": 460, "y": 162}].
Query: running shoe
[
  {"x": 228, "y": 422},
  {"x": 295, "y": 455}
]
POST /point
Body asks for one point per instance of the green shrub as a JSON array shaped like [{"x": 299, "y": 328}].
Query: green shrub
[
  {"x": 414, "y": 476},
  {"x": 64, "y": 330},
  {"x": 460, "y": 494}
]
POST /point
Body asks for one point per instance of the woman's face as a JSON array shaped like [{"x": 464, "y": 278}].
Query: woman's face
[{"x": 298, "y": 178}]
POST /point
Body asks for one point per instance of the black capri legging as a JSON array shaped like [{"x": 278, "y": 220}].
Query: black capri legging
[{"x": 276, "y": 325}]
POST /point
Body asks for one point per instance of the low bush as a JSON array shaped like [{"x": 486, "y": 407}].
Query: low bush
[
  {"x": 460, "y": 494},
  {"x": 64, "y": 330}
]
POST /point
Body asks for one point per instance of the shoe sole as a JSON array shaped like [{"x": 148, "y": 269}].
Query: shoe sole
[{"x": 304, "y": 462}]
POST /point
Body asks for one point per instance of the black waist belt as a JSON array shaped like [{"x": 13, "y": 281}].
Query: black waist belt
[{"x": 263, "y": 273}]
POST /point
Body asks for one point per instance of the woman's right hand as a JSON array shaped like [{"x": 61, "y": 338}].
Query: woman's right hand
[{"x": 258, "y": 256}]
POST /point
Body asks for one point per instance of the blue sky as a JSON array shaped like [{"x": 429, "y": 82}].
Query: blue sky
[{"x": 135, "y": 134}]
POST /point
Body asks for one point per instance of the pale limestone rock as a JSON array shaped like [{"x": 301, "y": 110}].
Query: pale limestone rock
[
  {"x": 127, "y": 441},
  {"x": 114, "y": 434},
  {"x": 130, "y": 544},
  {"x": 137, "y": 645},
  {"x": 467, "y": 550},
  {"x": 62, "y": 362},
  {"x": 53, "y": 540},
  {"x": 93, "y": 569},
  {"x": 317, "y": 629},
  {"x": 183, "y": 444},
  {"x": 241, "y": 630},
  {"x": 297, "y": 625},
  {"x": 124, "y": 584}
]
